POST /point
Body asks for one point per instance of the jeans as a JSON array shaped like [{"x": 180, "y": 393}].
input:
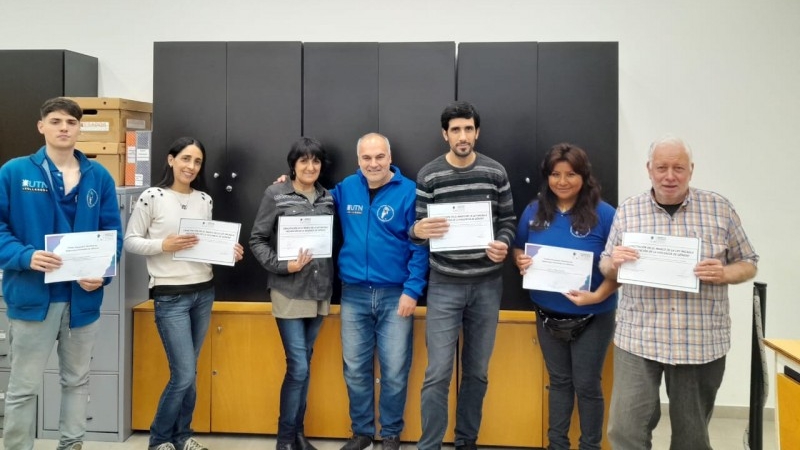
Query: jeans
[
  {"x": 575, "y": 369},
  {"x": 31, "y": 344},
  {"x": 476, "y": 308},
  {"x": 182, "y": 321},
  {"x": 369, "y": 319},
  {"x": 298, "y": 336},
  {"x": 636, "y": 407}
]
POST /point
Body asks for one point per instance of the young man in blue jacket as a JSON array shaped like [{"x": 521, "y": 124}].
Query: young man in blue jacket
[
  {"x": 383, "y": 275},
  {"x": 55, "y": 190}
]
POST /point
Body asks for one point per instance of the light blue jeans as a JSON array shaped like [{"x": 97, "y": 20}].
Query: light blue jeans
[
  {"x": 370, "y": 320},
  {"x": 451, "y": 307},
  {"x": 31, "y": 345},
  {"x": 182, "y": 321},
  {"x": 636, "y": 407}
]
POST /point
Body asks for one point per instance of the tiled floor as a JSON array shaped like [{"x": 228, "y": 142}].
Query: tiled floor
[{"x": 726, "y": 434}]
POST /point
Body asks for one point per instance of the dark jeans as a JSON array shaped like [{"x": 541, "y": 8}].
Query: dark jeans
[
  {"x": 182, "y": 322},
  {"x": 636, "y": 407},
  {"x": 451, "y": 307},
  {"x": 298, "y": 336},
  {"x": 575, "y": 369}
]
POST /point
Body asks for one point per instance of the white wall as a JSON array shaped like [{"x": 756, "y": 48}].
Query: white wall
[{"x": 725, "y": 75}]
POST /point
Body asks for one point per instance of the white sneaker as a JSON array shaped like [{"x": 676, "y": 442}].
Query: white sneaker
[{"x": 164, "y": 446}]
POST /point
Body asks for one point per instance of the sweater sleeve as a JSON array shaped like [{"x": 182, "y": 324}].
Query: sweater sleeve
[
  {"x": 506, "y": 220},
  {"x": 14, "y": 255}
]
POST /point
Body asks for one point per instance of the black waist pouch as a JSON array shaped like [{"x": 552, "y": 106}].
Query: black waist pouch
[{"x": 566, "y": 327}]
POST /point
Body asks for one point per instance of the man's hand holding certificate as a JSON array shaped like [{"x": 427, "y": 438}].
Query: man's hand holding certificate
[
  {"x": 666, "y": 262},
  {"x": 216, "y": 241},
  {"x": 91, "y": 254},
  {"x": 470, "y": 225}
]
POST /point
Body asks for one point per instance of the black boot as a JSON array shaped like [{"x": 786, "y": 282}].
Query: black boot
[{"x": 301, "y": 443}]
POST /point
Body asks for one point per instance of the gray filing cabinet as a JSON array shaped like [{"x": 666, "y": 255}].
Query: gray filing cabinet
[
  {"x": 109, "y": 412},
  {"x": 4, "y": 364}
]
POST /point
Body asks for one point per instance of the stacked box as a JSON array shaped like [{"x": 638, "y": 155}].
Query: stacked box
[
  {"x": 103, "y": 137},
  {"x": 137, "y": 164}
]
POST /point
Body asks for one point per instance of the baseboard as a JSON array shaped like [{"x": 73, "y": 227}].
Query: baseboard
[{"x": 729, "y": 412}]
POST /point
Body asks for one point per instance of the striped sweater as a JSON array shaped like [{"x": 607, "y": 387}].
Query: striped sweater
[{"x": 484, "y": 180}]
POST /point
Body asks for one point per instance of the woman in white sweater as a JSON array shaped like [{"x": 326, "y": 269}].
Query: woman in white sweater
[{"x": 183, "y": 291}]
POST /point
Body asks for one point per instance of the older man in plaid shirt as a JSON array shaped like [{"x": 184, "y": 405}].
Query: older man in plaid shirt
[{"x": 683, "y": 336}]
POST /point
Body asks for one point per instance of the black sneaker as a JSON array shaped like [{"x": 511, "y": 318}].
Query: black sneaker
[
  {"x": 285, "y": 446},
  {"x": 358, "y": 442},
  {"x": 391, "y": 443},
  {"x": 466, "y": 445},
  {"x": 301, "y": 443}
]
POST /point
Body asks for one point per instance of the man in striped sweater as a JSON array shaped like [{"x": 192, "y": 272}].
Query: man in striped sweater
[{"x": 465, "y": 286}]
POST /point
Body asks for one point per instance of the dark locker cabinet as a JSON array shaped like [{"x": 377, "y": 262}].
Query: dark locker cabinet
[
  {"x": 243, "y": 101},
  {"x": 27, "y": 79}
]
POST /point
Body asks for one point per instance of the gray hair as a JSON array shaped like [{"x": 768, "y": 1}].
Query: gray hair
[
  {"x": 669, "y": 139},
  {"x": 370, "y": 135}
]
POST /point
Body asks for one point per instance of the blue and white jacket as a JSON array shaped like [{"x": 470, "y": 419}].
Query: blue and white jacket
[
  {"x": 377, "y": 250},
  {"x": 29, "y": 210}
]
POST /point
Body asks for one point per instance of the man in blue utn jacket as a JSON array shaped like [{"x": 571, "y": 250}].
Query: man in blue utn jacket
[
  {"x": 383, "y": 275},
  {"x": 55, "y": 190}
]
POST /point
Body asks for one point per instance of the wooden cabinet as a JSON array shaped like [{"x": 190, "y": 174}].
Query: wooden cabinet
[{"x": 242, "y": 365}]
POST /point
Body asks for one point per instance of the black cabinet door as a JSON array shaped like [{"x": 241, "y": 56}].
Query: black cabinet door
[
  {"x": 340, "y": 100},
  {"x": 578, "y": 103},
  {"x": 500, "y": 79},
  {"x": 243, "y": 101},
  {"x": 27, "y": 79},
  {"x": 416, "y": 82},
  {"x": 189, "y": 99},
  {"x": 264, "y": 101}
]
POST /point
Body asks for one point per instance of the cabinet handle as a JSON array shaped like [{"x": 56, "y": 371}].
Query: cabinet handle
[
  {"x": 219, "y": 329},
  {"x": 214, "y": 372},
  {"x": 229, "y": 188}
]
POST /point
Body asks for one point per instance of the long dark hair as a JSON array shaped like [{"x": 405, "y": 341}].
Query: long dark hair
[
  {"x": 584, "y": 213},
  {"x": 199, "y": 182}
]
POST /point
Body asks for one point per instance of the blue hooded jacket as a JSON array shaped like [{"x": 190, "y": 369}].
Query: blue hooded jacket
[
  {"x": 29, "y": 210},
  {"x": 377, "y": 250}
]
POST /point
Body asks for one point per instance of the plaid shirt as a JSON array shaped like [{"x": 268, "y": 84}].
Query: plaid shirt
[{"x": 675, "y": 327}]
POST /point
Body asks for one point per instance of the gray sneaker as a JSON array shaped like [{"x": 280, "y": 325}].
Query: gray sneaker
[
  {"x": 76, "y": 446},
  {"x": 391, "y": 443},
  {"x": 164, "y": 446},
  {"x": 358, "y": 442},
  {"x": 192, "y": 444}
]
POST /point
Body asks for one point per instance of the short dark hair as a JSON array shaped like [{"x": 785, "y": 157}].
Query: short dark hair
[
  {"x": 460, "y": 110},
  {"x": 64, "y": 104},
  {"x": 199, "y": 182},
  {"x": 306, "y": 146}
]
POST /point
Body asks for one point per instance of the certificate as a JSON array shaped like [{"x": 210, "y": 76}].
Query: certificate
[
  {"x": 665, "y": 262},
  {"x": 557, "y": 269},
  {"x": 470, "y": 225},
  {"x": 216, "y": 241},
  {"x": 313, "y": 233},
  {"x": 90, "y": 254}
]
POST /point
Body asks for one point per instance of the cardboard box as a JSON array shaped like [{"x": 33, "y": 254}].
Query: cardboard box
[
  {"x": 108, "y": 119},
  {"x": 101, "y": 148},
  {"x": 137, "y": 160},
  {"x": 115, "y": 164}
]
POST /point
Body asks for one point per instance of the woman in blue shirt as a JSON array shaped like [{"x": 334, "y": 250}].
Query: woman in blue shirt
[{"x": 575, "y": 328}]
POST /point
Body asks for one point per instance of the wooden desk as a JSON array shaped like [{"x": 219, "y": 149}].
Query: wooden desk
[{"x": 787, "y": 409}]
